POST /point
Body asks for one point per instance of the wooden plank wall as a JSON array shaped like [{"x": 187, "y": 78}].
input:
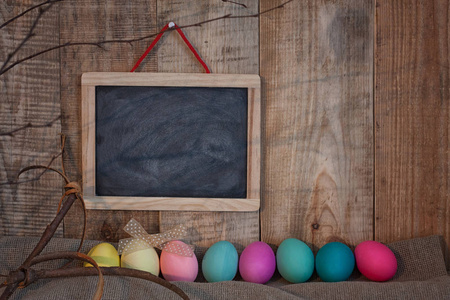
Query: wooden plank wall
[
  {"x": 93, "y": 21},
  {"x": 412, "y": 115},
  {"x": 355, "y": 112},
  {"x": 318, "y": 181},
  {"x": 30, "y": 94}
]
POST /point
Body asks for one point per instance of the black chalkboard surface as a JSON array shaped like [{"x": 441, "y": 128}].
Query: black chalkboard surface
[
  {"x": 171, "y": 141},
  {"x": 155, "y": 141}
]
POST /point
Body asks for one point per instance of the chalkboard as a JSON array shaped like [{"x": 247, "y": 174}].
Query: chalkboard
[
  {"x": 157, "y": 141},
  {"x": 171, "y": 141}
]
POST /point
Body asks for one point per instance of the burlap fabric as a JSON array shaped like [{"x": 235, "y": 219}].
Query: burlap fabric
[{"x": 421, "y": 275}]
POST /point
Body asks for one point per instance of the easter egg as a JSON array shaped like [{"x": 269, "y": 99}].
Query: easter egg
[
  {"x": 144, "y": 259},
  {"x": 175, "y": 267},
  {"x": 105, "y": 255},
  {"x": 220, "y": 262},
  {"x": 335, "y": 262},
  {"x": 295, "y": 260},
  {"x": 257, "y": 263},
  {"x": 375, "y": 261}
]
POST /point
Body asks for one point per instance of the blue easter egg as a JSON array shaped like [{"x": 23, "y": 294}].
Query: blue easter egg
[
  {"x": 220, "y": 262},
  {"x": 335, "y": 262},
  {"x": 295, "y": 260}
]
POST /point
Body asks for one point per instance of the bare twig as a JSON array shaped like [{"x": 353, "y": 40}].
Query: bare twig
[
  {"x": 30, "y": 125},
  {"x": 46, "y": 168},
  {"x": 45, "y": 238},
  {"x": 130, "y": 41},
  {"x": 81, "y": 271},
  {"x": 237, "y": 3},
  {"x": 25, "y": 276},
  {"x": 27, "y": 11},
  {"x": 43, "y": 167},
  {"x": 65, "y": 45},
  {"x": 63, "y": 151},
  {"x": 79, "y": 256},
  {"x": 282, "y": 5},
  {"x": 27, "y": 37},
  {"x": 114, "y": 271}
]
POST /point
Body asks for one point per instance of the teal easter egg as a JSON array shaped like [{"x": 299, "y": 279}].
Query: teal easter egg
[
  {"x": 220, "y": 262},
  {"x": 335, "y": 262},
  {"x": 295, "y": 261}
]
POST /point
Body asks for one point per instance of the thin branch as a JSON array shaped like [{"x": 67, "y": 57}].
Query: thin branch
[
  {"x": 43, "y": 167},
  {"x": 63, "y": 150},
  {"x": 27, "y": 11},
  {"x": 78, "y": 256},
  {"x": 45, "y": 238},
  {"x": 14, "y": 279},
  {"x": 18, "y": 277},
  {"x": 282, "y": 5},
  {"x": 69, "y": 44},
  {"x": 113, "y": 271},
  {"x": 237, "y": 3},
  {"x": 46, "y": 168},
  {"x": 25, "y": 276},
  {"x": 30, "y": 125},
  {"x": 27, "y": 37},
  {"x": 130, "y": 41},
  {"x": 50, "y": 230}
]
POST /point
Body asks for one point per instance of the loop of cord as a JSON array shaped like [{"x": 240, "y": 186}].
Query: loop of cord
[{"x": 158, "y": 37}]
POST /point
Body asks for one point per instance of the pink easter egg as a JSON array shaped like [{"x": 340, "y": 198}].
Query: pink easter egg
[
  {"x": 375, "y": 261},
  {"x": 257, "y": 263},
  {"x": 175, "y": 267}
]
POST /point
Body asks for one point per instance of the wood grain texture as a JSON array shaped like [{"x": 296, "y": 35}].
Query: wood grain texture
[
  {"x": 29, "y": 94},
  {"x": 92, "y": 21},
  {"x": 316, "y": 65},
  {"x": 227, "y": 46},
  {"x": 412, "y": 109}
]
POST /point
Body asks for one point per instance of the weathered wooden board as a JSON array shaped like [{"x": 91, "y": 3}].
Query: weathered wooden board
[
  {"x": 92, "y": 21},
  {"x": 227, "y": 46},
  {"x": 412, "y": 114},
  {"x": 29, "y": 94},
  {"x": 316, "y": 66}
]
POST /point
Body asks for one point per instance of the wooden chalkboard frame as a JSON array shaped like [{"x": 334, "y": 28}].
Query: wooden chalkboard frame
[{"x": 253, "y": 84}]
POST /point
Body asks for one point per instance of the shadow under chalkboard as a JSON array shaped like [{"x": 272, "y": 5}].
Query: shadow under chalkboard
[{"x": 171, "y": 141}]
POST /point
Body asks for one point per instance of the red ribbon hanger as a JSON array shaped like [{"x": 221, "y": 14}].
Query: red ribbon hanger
[{"x": 158, "y": 37}]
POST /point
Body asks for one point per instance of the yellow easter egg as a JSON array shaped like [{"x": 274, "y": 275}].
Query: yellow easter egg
[
  {"x": 105, "y": 255},
  {"x": 145, "y": 260}
]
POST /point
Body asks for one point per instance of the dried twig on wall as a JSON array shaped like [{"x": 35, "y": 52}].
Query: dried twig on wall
[
  {"x": 29, "y": 35},
  {"x": 234, "y": 2},
  {"x": 28, "y": 10},
  {"x": 5, "y": 68},
  {"x": 30, "y": 125}
]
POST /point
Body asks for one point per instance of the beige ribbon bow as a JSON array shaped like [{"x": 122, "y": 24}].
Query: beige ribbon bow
[{"x": 141, "y": 240}]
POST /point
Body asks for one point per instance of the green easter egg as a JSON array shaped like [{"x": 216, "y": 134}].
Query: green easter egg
[{"x": 295, "y": 260}]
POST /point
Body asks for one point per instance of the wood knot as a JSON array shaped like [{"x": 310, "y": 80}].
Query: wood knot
[{"x": 315, "y": 226}]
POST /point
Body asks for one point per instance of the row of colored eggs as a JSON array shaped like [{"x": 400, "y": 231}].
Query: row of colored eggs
[{"x": 294, "y": 259}]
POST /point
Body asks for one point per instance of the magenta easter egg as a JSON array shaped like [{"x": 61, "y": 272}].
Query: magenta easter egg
[
  {"x": 257, "y": 263},
  {"x": 175, "y": 267},
  {"x": 375, "y": 261}
]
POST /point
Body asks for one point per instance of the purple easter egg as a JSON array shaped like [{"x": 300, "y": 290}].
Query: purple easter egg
[{"x": 257, "y": 263}]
